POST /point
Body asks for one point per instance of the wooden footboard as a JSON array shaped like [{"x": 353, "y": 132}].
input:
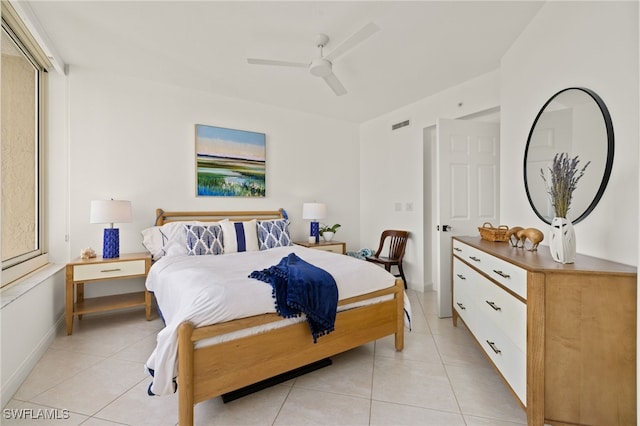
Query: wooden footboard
[{"x": 211, "y": 371}]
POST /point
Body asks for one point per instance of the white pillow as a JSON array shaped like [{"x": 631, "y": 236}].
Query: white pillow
[
  {"x": 239, "y": 236},
  {"x": 152, "y": 241},
  {"x": 169, "y": 239},
  {"x": 174, "y": 237}
]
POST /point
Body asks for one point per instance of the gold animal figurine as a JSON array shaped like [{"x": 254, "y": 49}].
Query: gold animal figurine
[
  {"x": 512, "y": 235},
  {"x": 532, "y": 234}
]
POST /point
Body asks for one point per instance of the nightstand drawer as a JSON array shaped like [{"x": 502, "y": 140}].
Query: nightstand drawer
[
  {"x": 332, "y": 246},
  {"x": 336, "y": 248},
  {"x": 106, "y": 270}
]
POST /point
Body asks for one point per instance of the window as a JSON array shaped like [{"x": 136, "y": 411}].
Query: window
[{"x": 23, "y": 79}]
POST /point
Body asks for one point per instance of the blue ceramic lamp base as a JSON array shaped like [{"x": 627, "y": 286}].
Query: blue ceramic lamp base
[
  {"x": 111, "y": 243},
  {"x": 315, "y": 231}
]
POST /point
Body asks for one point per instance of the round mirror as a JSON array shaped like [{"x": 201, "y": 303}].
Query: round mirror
[{"x": 574, "y": 121}]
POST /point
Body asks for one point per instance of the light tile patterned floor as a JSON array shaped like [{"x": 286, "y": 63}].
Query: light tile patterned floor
[{"x": 441, "y": 378}]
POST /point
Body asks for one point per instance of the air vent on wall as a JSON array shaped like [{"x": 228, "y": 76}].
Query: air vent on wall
[{"x": 400, "y": 125}]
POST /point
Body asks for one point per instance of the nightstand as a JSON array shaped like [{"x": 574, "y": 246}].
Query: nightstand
[
  {"x": 97, "y": 270},
  {"x": 333, "y": 246}
]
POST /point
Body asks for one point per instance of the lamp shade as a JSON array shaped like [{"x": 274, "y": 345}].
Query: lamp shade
[
  {"x": 110, "y": 211},
  {"x": 314, "y": 211}
]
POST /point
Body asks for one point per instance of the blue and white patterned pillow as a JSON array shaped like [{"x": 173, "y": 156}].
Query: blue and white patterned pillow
[
  {"x": 239, "y": 236},
  {"x": 273, "y": 233},
  {"x": 204, "y": 240}
]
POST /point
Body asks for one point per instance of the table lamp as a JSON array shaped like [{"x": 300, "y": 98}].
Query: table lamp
[
  {"x": 314, "y": 211},
  {"x": 110, "y": 211}
]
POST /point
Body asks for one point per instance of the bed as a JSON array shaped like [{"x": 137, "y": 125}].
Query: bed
[{"x": 213, "y": 359}]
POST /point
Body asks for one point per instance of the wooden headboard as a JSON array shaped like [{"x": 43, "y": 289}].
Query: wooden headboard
[{"x": 163, "y": 217}]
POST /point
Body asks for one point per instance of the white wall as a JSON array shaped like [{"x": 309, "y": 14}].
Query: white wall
[
  {"x": 392, "y": 166},
  {"x": 28, "y": 326},
  {"x": 584, "y": 44},
  {"x": 57, "y": 167},
  {"x": 134, "y": 139}
]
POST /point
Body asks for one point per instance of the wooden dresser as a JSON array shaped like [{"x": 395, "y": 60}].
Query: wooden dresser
[{"x": 563, "y": 337}]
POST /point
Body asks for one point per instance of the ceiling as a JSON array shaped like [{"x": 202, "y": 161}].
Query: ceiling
[{"x": 422, "y": 47}]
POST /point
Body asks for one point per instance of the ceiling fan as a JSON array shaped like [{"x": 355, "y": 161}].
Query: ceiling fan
[{"x": 322, "y": 65}]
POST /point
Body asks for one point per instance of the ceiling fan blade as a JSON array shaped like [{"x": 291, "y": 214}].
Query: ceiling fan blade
[
  {"x": 277, "y": 63},
  {"x": 335, "y": 84},
  {"x": 361, "y": 35}
]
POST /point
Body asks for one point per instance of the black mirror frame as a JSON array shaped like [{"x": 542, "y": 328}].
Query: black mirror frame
[{"x": 610, "y": 151}]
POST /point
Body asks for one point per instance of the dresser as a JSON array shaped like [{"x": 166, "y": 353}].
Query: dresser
[{"x": 563, "y": 337}]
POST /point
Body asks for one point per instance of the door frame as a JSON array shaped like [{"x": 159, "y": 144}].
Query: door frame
[{"x": 429, "y": 139}]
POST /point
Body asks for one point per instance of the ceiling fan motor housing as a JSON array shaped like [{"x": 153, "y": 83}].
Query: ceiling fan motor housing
[{"x": 320, "y": 67}]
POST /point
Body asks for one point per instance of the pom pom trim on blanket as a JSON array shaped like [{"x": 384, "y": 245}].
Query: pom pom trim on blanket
[{"x": 299, "y": 287}]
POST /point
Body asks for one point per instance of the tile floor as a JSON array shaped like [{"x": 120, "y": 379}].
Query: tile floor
[{"x": 441, "y": 378}]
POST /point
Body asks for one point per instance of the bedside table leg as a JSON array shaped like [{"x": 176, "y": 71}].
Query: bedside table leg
[
  {"x": 147, "y": 304},
  {"x": 80, "y": 295},
  {"x": 69, "y": 307}
]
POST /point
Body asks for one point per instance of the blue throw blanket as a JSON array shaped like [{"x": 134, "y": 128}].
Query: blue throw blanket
[{"x": 300, "y": 287}]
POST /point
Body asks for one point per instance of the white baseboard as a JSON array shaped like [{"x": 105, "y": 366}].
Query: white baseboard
[{"x": 20, "y": 374}]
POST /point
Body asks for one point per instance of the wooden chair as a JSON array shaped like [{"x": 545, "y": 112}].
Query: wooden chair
[{"x": 397, "y": 244}]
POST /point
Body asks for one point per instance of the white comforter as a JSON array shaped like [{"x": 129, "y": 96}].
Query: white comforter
[{"x": 213, "y": 289}]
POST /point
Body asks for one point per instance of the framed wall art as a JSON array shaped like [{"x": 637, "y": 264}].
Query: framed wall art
[{"x": 229, "y": 162}]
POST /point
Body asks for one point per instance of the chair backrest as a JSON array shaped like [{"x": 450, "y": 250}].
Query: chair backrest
[{"x": 396, "y": 245}]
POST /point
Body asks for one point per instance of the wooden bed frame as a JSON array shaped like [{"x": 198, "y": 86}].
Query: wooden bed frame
[{"x": 211, "y": 371}]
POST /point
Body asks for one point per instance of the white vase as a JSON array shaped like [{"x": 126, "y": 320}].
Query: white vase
[
  {"x": 327, "y": 235},
  {"x": 563, "y": 240}
]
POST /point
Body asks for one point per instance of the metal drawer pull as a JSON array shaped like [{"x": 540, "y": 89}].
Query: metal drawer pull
[
  {"x": 493, "y": 305},
  {"x": 457, "y": 249},
  {"x": 493, "y": 346},
  {"x": 502, "y": 274},
  {"x": 462, "y": 277},
  {"x": 111, "y": 270},
  {"x": 475, "y": 259},
  {"x": 461, "y": 306}
]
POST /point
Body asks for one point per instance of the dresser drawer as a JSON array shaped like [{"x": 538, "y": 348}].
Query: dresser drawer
[
  {"x": 460, "y": 249},
  {"x": 506, "y": 356},
  {"x": 510, "y": 276},
  {"x": 106, "y": 270},
  {"x": 508, "y": 313},
  {"x": 463, "y": 294}
]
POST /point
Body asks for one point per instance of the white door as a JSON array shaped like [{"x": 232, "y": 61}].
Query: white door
[{"x": 467, "y": 194}]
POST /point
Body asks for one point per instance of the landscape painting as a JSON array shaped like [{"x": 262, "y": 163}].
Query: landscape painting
[{"x": 229, "y": 162}]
